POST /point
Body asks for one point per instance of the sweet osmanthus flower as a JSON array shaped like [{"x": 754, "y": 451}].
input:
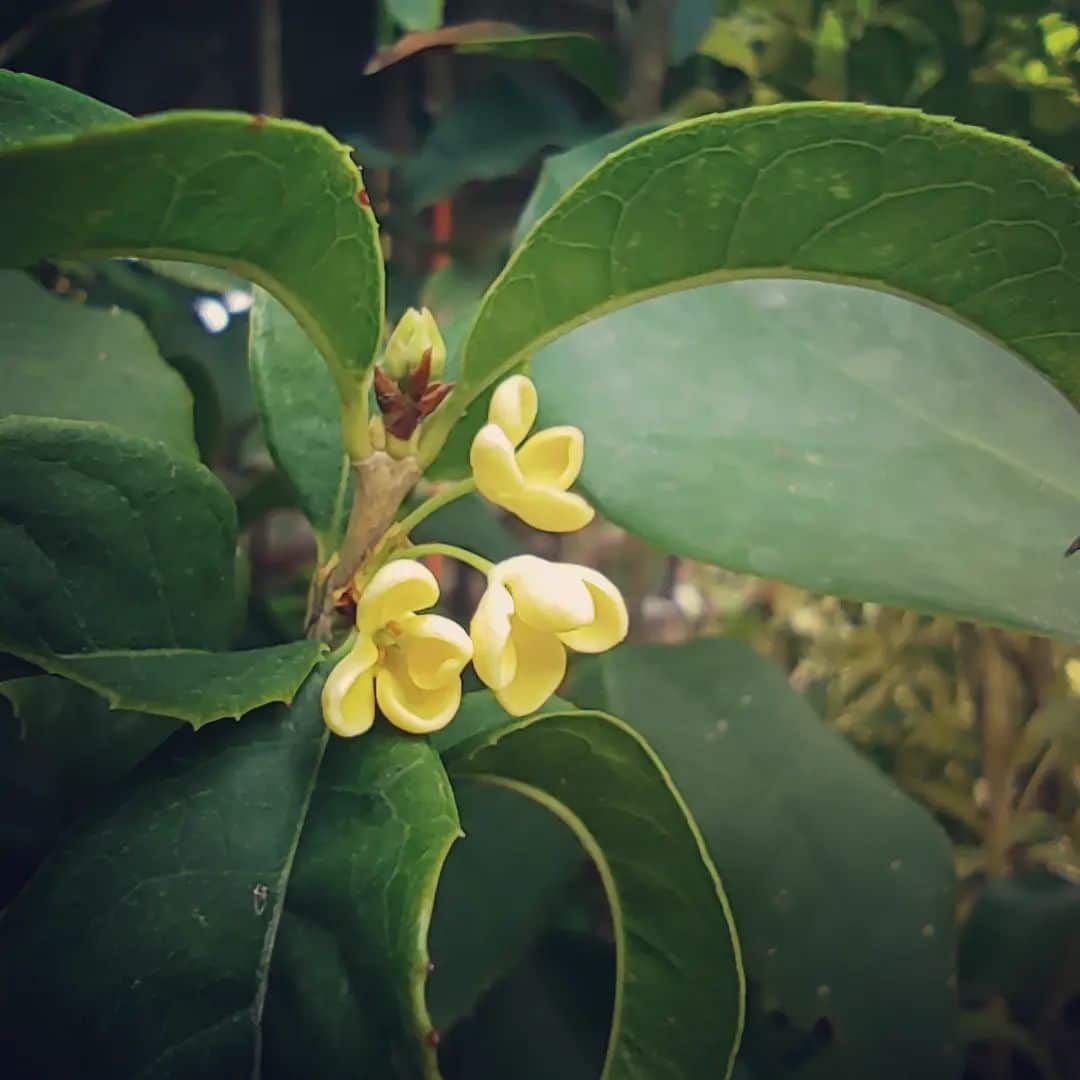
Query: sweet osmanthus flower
[
  {"x": 409, "y": 663},
  {"x": 531, "y": 613},
  {"x": 532, "y": 482}
]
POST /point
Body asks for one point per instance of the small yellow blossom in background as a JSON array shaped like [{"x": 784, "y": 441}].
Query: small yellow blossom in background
[
  {"x": 409, "y": 663},
  {"x": 532, "y": 483},
  {"x": 532, "y": 611},
  {"x": 415, "y": 333}
]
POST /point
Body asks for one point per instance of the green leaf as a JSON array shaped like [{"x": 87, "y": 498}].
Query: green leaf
[
  {"x": 838, "y": 438},
  {"x": 496, "y": 131},
  {"x": 31, "y": 107},
  {"x": 841, "y": 887},
  {"x": 679, "y": 979},
  {"x": 498, "y": 887},
  {"x": 301, "y": 418},
  {"x": 975, "y": 224},
  {"x": 581, "y": 56},
  {"x": 187, "y": 684},
  {"x": 274, "y": 201},
  {"x": 107, "y": 541},
  {"x": 254, "y": 903},
  {"x": 63, "y": 359},
  {"x": 415, "y": 14},
  {"x": 74, "y": 736},
  {"x": 560, "y": 172}
]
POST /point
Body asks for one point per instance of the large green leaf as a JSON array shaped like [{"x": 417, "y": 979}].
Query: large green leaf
[
  {"x": 75, "y": 735},
  {"x": 254, "y": 903},
  {"x": 842, "y": 889},
  {"x": 839, "y": 438},
  {"x": 278, "y": 202},
  {"x": 678, "y": 1004},
  {"x": 976, "y": 224},
  {"x": 66, "y": 360},
  {"x": 560, "y": 172},
  {"x": 500, "y": 884},
  {"x": 107, "y": 541},
  {"x": 187, "y": 684},
  {"x": 301, "y": 417},
  {"x": 31, "y": 107}
]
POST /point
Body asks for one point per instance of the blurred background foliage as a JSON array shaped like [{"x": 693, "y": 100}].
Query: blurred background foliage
[{"x": 452, "y": 108}]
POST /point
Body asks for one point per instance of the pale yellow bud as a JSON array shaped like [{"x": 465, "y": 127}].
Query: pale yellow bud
[{"x": 415, "y": 333}]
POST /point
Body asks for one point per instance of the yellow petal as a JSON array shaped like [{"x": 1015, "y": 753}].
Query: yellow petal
[
  {"x": 494, "y": 657},
  {"x": 550, "y": 510},
  {"x": 611, "y": 623},
  {"x": 553, "y": 457},
  {"x": 435, "y": 649},
  {"x": 395, "y": 592},
  {"x": 348, "y": 695},
  {"x": 513, "y": 407},
  {"x": 548, "y": 596},
  {"x": 541, "y": 667},
  {"x": 494, "y": 467},
  {"x": 408, "y": 706}
]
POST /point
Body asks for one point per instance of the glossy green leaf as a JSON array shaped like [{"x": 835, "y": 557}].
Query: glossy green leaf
[
  {"x": 62, "y": 359},
  {"x": 274, "y": 201},
  {"x": 493, "y": 133},
  {"x": 109, "y": 542},
  {"x": 187, "y": 684},
  {"x": 841, "y": 887},
  {"x": 253, "y": 903},
  {"x": 301, "y": 417},
  {"x": 31, "y": 107},
  {"x": 560, "y": 172},
  {"x": 976, "y": 224},
  {"x": 678, "y": 976},
  {"x": 838, "y": 438},
  {"x": 581, "y": 56},
  {"x": 73, "y": 734},
  {"x": 500, "y": 884}
]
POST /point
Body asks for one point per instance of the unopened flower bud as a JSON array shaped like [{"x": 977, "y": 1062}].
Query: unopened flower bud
[{"x": 415, "y": 334}]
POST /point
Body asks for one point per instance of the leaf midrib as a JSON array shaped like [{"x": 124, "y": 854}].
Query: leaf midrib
[{"x": 281, "y": 887}]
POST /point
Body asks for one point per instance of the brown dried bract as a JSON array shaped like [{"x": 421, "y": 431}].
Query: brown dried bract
[{"x": 404, "y": 406}]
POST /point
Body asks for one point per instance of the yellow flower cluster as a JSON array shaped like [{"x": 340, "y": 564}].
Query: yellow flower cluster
[{"x": 409, "y": 662}]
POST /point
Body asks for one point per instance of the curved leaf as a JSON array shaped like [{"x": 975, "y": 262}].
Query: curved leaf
[
  {"x": 976, "y": 224},
  {"x": 678, "y": 1004},
  {"x": 841, "y": 887},
  {"x": 31, "y": 107},
  {"x": 846, "y": 440},
  {"x": 255, "y": 902},
  {"x": 66, "y": 360},
  {"x": 276, "y": 201},
  {"x": 300, "y": 417},
  {"x": 107, "y": 541},
  {"x": 187, "y": 684}
]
